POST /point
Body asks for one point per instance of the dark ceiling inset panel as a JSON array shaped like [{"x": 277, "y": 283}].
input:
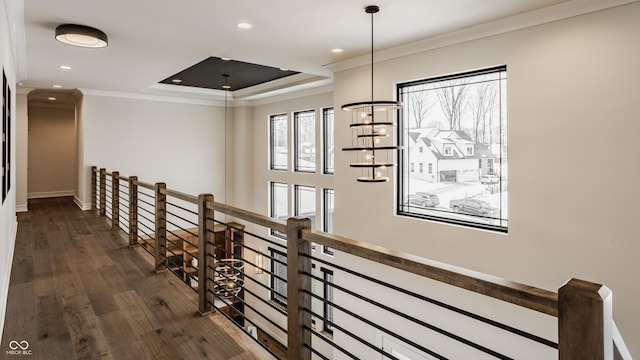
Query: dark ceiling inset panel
[{"x": 208, "y": 74}]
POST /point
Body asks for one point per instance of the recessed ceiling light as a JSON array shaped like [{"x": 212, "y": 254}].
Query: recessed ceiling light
[
  {"x": 51, "y": 98},
  {"x": 80, "y": 35},
  {"x": 336, "y": 50},
  {"x": 226, "y": 87},
  {"x": 244, "y": 25},
  {"x": 284, "y": 69},
  {"x": 65, "y": 67},
  {"x": 57, "y": 86},
  {"x": 176, "y": 81},
  {"x": 225, "y": 59}
]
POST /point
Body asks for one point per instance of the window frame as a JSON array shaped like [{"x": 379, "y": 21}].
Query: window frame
[
  {"x": 296, "y": 141},
  {"x": 501, "y": 221},
  {"x": 328, "y": 134},
  {"x": 273, "y": 206},
  {"x": 276, "y": 294},
  {"x": 272, "y": 140},
  {"x": 327, "y": 309},
  {"x": 326, "y": 194},
  {"x": 297, "y": 202}
]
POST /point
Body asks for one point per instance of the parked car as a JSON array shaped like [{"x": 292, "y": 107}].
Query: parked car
[
  {"x": 424, "y": 199},
  {"x": 489, "y": 179},
  {"x": 472, "y": 206}
]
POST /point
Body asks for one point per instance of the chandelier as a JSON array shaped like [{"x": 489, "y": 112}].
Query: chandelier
[
  {"x": 372, "y": 129},
  {"x": 228, "y": 281}
]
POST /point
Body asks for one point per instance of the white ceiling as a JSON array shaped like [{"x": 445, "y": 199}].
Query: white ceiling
[{"x": 150, "y": 40}]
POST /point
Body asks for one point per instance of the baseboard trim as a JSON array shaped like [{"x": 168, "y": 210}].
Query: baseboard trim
[
  {"x": 50, "y": 194},
  {"x": 81, "y": 205},
  {"x": 21, "y": 208}
]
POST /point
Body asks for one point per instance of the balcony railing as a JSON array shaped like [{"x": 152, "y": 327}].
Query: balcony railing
[{"x": 363, "y": 301}]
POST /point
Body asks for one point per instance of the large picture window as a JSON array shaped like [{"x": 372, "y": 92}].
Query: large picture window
[
  {"x": 278, "y": 144},
  {"x": 304, "y": 128},
  {"x": 457, "y": 124}
]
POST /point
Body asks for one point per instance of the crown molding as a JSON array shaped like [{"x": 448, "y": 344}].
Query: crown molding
[
  {"x": 537, "y": 17},
  {"x": 290, "y": 95},
  {"x": 151, "y": 97}
]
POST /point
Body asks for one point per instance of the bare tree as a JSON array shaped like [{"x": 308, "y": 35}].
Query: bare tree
[
  {"x": 420, "y": 107},
  {"x": 452, "y": 98},
  {"x": 482, "y": 109}
]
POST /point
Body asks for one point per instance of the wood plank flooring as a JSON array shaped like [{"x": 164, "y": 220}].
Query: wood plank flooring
[{"x": 77, "y": 291}]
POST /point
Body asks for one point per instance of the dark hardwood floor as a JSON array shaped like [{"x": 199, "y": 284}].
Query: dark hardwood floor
[{"x": 77, "y": 291}]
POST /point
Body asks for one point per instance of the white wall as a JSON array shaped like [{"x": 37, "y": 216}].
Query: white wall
[
  {"x": 8, "y": 224},
  {"x": 52, "y": 151},
  {"x": 572, "y": 109},
  {"x": 179, "y": 144},
  {"x": 240, "y": 167}
]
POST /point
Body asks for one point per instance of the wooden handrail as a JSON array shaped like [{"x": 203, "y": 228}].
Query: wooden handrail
[
  {"x": 526, "y": 296},
  {"x": 120, "y": 177},
  {"x": 180, "y": 195},
  {"x": 259, "y": 219},
  {"x": 145, "y": 185}
]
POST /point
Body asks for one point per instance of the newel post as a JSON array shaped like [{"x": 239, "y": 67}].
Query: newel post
[
  {"x": 103, "y": 192},
  {"x": 585, "y": 321},
  {"x": 133, "y": 211},
  {"x": 298, "y": 289},
  {"x": 205, "y": 248},
  {"x": 115, "y": 200},
  {"x": 94, "y": 184},
  {"x": 160, "y": 251}
]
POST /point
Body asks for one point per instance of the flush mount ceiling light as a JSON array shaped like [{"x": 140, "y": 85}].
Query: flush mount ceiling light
[
  {"x": 370, "y": 123},
  {"x": 82, "y": 36},
  {"x": 244, "y": 25}
]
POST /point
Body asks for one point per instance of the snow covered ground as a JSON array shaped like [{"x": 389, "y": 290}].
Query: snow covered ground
[{"x": 448, "y": 191}]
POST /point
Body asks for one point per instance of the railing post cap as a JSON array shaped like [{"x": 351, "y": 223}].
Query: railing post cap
[
  {"x": 299, "y": 220},
  {"x": 585, "y": 288}
]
